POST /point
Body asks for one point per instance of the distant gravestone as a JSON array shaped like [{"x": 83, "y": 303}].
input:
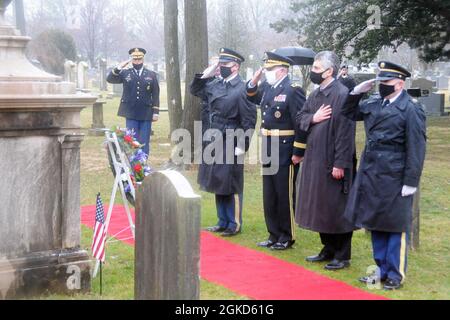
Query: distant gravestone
[
  {"x": 97, "y": 118},
  {"x": 167, "y": 239},
  {"x": 425, "y": 85},
  {"x": 102, "y": 74},
  {"x": 70, "y": 71},
  {"x": 442, "y": 82},
  {"x": 118, "y": 90},
  {"x": 82, "y": 79},
  {"x": 434, "y": 104}
]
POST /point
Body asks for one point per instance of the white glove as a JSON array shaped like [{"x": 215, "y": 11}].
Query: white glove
[
  {"x": 210, "y": 71},
  {"x": 408, "y": 191},
  {"x": 238, "y": 152},
  {"x": 364, "y": 87}
]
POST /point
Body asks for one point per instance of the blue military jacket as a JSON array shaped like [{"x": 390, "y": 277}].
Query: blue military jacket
[
  {"x": 140, "y": 99},
  {"x": 393, "y": 157},
  {"x": 279, "y": 107}
]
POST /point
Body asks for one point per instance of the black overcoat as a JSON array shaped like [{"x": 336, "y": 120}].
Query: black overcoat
[
  {"x": 226, "y": 107},
  {"x": 321, "y": 198}
]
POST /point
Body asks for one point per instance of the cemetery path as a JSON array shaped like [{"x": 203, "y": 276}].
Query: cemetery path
[{"x": 248, "y": 272}]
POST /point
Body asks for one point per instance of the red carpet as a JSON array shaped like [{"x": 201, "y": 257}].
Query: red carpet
[{"x": 249, "y": 272}]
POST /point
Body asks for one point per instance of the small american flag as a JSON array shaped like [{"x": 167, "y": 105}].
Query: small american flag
[{"x": 98, "y": 242}]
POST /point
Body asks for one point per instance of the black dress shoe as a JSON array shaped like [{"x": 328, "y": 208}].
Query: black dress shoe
[
  {"x": 230, "y": 233},
  {"x": 337, "y": 264},
  {"x": 265, "y": 244},
  {"x": 392, "y": 284},
  {"x": 282, "y": 245},
  {"x": 318, "y": 258},
  {"x": 215, "y": 229}
]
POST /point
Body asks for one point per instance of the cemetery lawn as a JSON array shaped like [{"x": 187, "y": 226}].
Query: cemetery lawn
[{"x": 427, "y": 276}]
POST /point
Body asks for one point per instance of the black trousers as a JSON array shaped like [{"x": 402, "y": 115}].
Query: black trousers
[
  {"x": 337, "y": 246},
  {"x": 279, "y": 203}
]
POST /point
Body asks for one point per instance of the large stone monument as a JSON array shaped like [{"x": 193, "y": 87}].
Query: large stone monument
[
  {"x": 167, "y": 239},
  {"x": 40, "y": 173}
]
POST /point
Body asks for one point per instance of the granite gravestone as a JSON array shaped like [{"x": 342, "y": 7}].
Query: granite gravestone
[
  {"x": 167, "y": 252},
  {"x": 40, "y": 141}
]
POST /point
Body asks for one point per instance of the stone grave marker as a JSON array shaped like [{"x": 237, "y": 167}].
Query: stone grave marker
[{"x": 167, "y": 252}]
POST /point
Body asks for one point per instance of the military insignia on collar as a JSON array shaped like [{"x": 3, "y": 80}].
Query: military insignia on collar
[
  {"x": 148, "y": 87},
  {"x": 280, "y": 98},
  {"x": 278, "y": 114}
]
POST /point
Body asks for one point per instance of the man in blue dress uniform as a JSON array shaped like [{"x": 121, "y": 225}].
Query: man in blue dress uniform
[
  {"x": 140, "y": 99},
  {"x": 280, "y": 101},
  {"x": 381, "y": 198},
  {"x": 228, "y": 110}
]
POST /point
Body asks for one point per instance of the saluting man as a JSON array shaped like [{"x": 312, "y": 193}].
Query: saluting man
[
  {"x": 381, "y": 199},
  {"x": 228, "y": 111},
  {"x": 280, "y": 101},
  {"x": 140, "y": 99}
]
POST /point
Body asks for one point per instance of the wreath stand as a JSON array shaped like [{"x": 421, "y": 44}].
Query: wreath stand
[{"x": 122, "y": 174}]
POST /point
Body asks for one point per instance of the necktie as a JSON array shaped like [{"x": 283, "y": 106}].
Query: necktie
[{"x": 385, "y": 103}]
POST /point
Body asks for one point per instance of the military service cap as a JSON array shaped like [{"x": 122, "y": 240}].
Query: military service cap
[
  {"x": 137, "y": 52},
  {"x": 273, "y": 60},
  {"x": 228, "y": 55},
  {"x": 389, "y": 71}
]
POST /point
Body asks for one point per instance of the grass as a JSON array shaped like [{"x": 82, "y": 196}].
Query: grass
[{"x": 427, "y": 276}]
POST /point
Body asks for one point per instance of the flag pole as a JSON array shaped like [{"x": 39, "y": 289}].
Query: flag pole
[{"x": 101, "y": 279}]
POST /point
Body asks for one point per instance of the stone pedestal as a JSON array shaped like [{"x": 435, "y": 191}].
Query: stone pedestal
[
  {"x": 167, "y": 254},
  {"x": 40, "y": 168}
]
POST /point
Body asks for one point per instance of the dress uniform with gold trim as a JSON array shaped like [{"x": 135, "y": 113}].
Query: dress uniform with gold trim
[
  {"x": 140, "y": 99},
  {"x": 279, "y": 105},
  {"x": 393, "y": 159}
]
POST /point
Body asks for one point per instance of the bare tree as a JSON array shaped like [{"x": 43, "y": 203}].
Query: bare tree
[
  {"x": 196, "y": 25},
  {"x": 92, "y": 14},
  {"x": 172, "y": 63}
]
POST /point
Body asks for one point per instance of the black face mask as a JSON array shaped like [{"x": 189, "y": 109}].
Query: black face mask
[
  {"x": 138, "y": 66},
  {"x": 386, "y": 90},
  {"x": 225, "y": 72},
  {"x": 316, "y": 77}
]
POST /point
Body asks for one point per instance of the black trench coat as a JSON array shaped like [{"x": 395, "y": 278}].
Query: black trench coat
[
  {"x": 321, "y": 198},
  {"x": 393, "y": 157},
  {"x": 225, "y": 106}
]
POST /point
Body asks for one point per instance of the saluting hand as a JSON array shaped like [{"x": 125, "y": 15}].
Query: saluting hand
[
  {"x": 210, "y": 71},
  {"x": 364, "y": 87},
  {"x": 124, "y": 64},
  {"x": 257, "y": 77},
  {"x": 324, "y": 113}
]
